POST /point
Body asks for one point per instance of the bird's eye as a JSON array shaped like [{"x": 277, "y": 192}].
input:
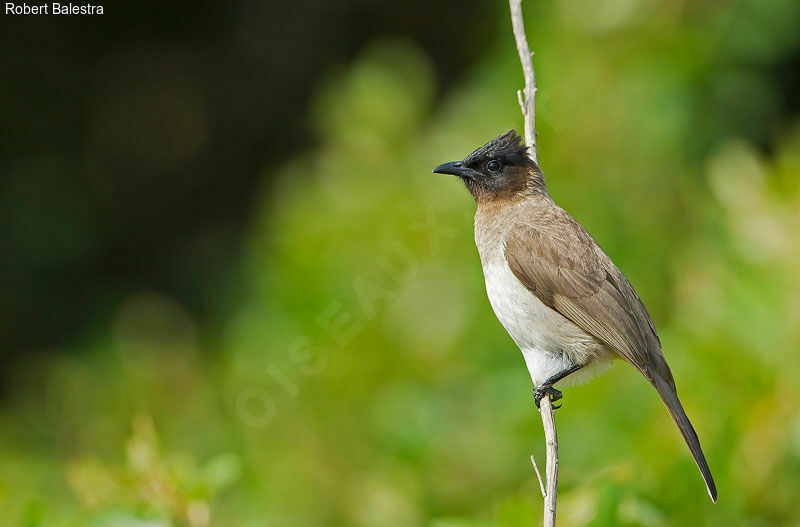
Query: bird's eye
[{"x": 494, "y": 165}]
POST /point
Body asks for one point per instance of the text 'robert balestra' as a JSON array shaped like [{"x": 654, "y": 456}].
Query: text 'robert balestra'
[{"x": 53, "y": 8}]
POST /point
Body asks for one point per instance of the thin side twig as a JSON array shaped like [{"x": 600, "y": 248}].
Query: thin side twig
[
  {"x": 538, "y": 476},
  {"x": 527, "y": 99}
]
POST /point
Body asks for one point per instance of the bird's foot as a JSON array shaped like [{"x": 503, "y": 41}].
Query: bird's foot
[{"x": 546, "y": 390}]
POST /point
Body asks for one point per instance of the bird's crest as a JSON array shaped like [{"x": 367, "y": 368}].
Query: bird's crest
[{"x": 507, "y": 147}]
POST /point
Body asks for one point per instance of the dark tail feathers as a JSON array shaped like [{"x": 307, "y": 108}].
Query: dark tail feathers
[{"x": 670, "y": 398}]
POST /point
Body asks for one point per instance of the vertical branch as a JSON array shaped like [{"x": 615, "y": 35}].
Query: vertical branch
[
  {"x": 527, "y": 97},
  {"x": 527, "y": 100},
  {"x": 551, "y": 481}
]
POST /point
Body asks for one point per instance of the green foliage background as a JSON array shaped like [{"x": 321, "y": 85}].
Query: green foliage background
[{"x": 363, "y": 380}]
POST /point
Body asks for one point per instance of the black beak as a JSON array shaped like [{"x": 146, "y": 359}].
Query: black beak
[{"x": 455, "y": 168}]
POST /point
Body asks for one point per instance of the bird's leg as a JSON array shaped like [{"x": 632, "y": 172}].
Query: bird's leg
[{"x": 546, "y": 388}]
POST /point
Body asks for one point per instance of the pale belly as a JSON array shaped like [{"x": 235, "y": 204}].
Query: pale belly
[{"x": 549, "y": 342}]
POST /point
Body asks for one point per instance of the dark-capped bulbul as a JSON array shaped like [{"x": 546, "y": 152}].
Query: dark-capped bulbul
[{"x": 558, "y": 295}]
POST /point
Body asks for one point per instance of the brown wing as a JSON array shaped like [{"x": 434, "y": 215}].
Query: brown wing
[
  {"x": 566, "y": 269},
  {"x": 563, "y": 266}
]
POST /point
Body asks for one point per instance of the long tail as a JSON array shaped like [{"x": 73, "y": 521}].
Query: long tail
[{"x": 670, "y": 397}]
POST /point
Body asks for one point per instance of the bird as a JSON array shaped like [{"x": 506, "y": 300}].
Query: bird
[{"x": 559, "y": 296}]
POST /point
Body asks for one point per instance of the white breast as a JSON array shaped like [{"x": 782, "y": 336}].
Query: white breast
[
  {"x": 529, "y": 322},
  {"x": 549, "y": 342}
]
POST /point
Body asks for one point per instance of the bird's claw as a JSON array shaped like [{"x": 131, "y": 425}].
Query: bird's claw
[{"x": 540, "y": 391}]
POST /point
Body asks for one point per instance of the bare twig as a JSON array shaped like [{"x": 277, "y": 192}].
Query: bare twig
[
  {"x": 538, "y": 476},
  {"x": 528, "y": 102},
  {"x": 527, "y": 99},
  {"x": 551, "y": 481}
]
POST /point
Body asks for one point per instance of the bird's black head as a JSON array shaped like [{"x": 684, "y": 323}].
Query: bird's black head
[{"x": 499, "y": 169}]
